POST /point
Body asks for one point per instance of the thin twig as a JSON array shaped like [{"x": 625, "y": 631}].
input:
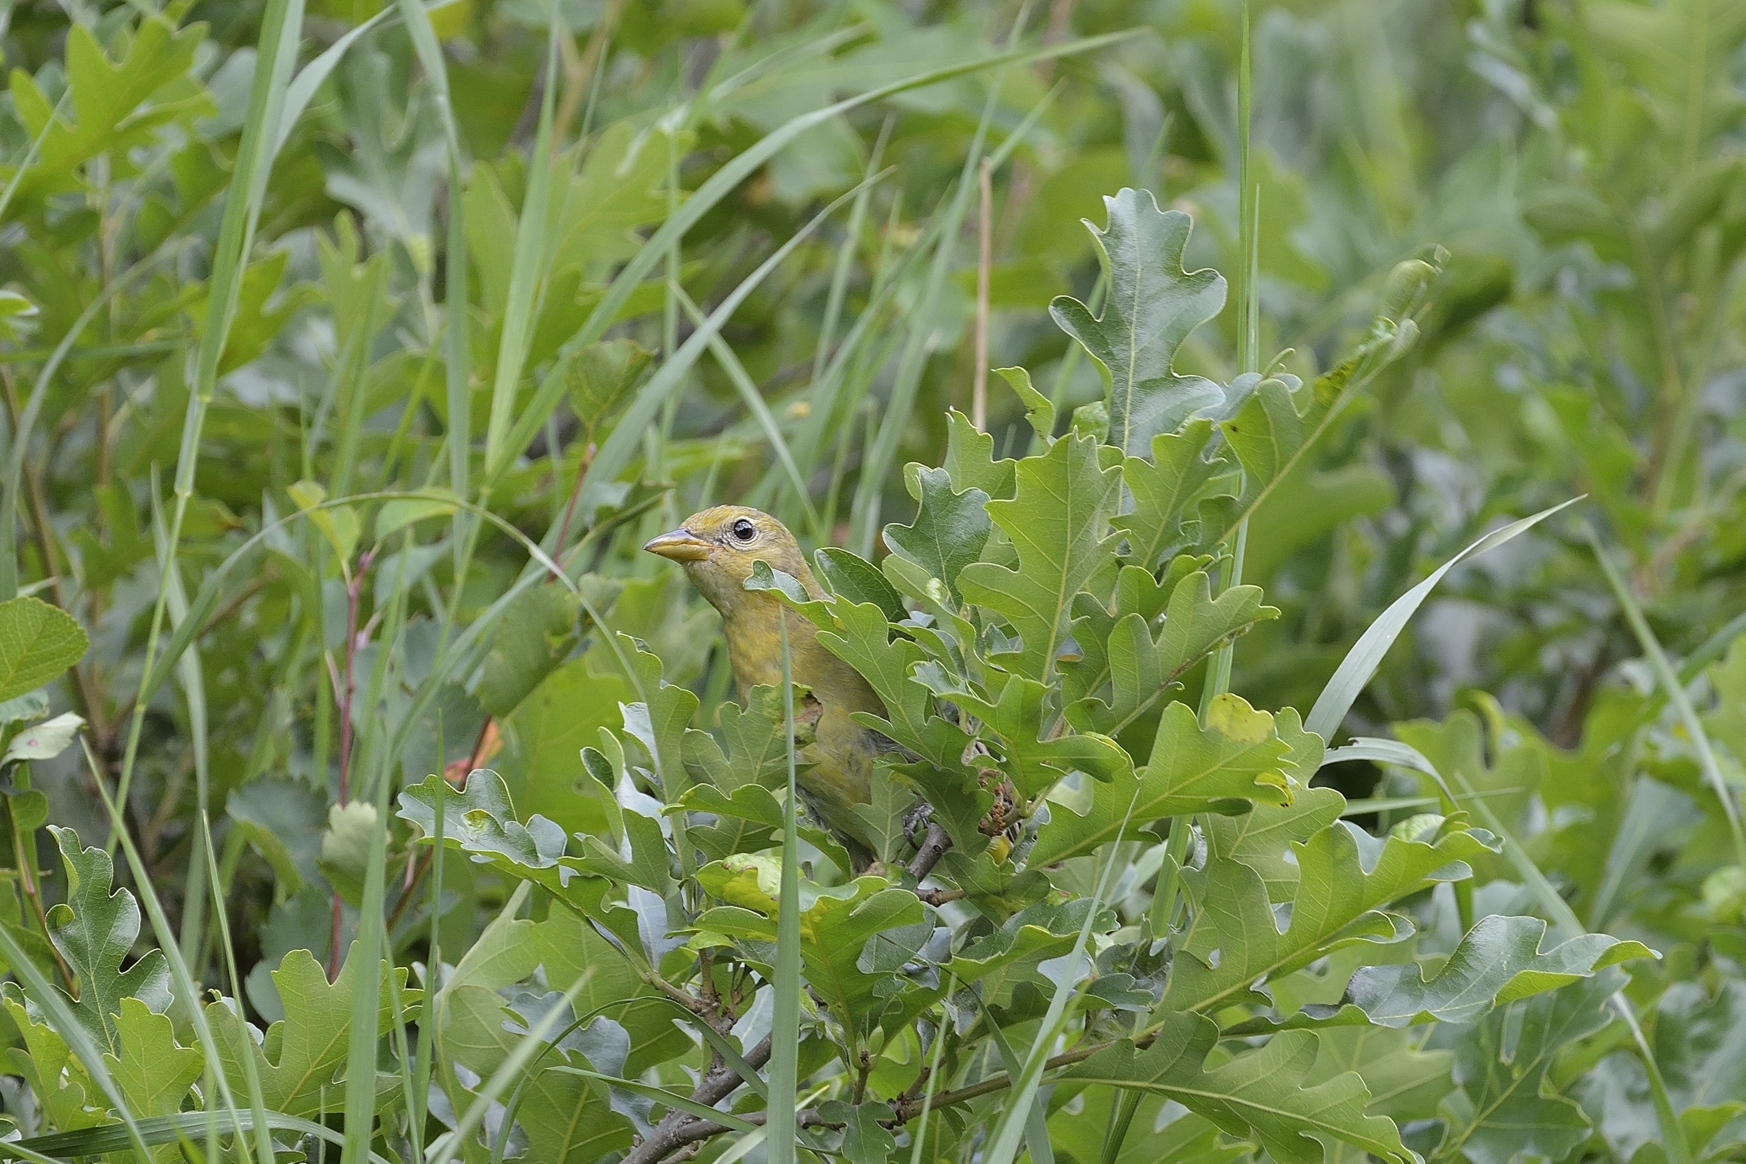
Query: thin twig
[
  {"x": 678, "y": 1128},
  {"x": 575, "y": 494},
  {"x": 348, "y": 688}
]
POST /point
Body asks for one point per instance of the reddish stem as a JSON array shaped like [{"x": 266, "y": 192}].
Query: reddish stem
[
  {"x": 575, "y": 494},
  {"x": 347, "y": 688}
]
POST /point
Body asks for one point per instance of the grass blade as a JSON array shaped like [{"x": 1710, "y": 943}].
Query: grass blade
[
  {"x": 281, "y": 25},
  {"x": 864, "y": 509},
  {"x": 754, "y": 401},
  {"x": 784, "y": 1079},
  {"x": 745, "y": 164},
  {"x": 105, "y": 1138},
  {"x": 627, "y": 435},
  {"x": 527, "y": 270},
  {"x": 302, "y": 89},
  {"x": 1367, "y": 653},
  {"x": 185, "y": 985},
  {"x": 457, "y": 351},
  {"x": 1675, "y": 692}
]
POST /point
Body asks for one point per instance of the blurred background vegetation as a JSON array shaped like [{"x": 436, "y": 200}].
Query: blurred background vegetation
[{"x": 1579, "y": 161}]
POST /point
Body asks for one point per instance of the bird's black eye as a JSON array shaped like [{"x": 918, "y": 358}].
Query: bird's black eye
[{"x": 744, "y": 530}]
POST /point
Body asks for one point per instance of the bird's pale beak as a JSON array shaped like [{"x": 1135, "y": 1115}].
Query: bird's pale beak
[{"x": 681, "y": 545}]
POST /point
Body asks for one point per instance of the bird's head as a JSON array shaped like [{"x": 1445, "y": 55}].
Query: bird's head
[{"x": 718, "y": 548}]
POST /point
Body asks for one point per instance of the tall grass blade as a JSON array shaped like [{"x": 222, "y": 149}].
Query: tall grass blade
[
  {"x": 281, "y": 24},
  {"x": 869, "y": 490},
  {"x": 754, "y": 402},
  {"x": 833, "y": 310},
  {"x": 106, "y": 1138},
  {"x": 745, "y": 164},
  {"x": 457, "y": 351},
  {"x": 193, "y": 681},
  {"x": 501, "y": 1080},
  {"x": 1037, "y": 1118},
  {"x": 1367, "y": 653},
  {"x": 1675, "y": 693},
  {"x": 527, "y": 270},
  {"x": 309, "y": 79},
  {"x": 784, "y": 1077},
  {"x": 19, "y": 445},
  {"x": 627, "y": 435},
  {"x": 251, "y": 1073},
  {"x": 919, "y": 1136}
]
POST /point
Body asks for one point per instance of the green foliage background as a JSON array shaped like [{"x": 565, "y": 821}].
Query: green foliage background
[{"x": 350, "y": 352}]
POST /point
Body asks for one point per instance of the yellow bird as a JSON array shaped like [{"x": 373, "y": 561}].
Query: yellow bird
[{"x": 718, "y": 548}]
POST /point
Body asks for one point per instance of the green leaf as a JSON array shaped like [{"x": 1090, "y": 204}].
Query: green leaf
[
  {"x": 1262, "y": 837},
  {"x": 865, "y": 1138},
  {"x": 835, "y": 924},
  {"x": 1165, "y": 489},
  {"x": 94, "y": 929},
  {"x": 58, "y": 1080},
  {"x": 403, "y": 511},
  {"x": 32, "y": 705},
  {"x": 1143, "y": 666},
  {"x": 108, "y": 99},
  {"x": 531, "y": 640},
  {"x": 548, "y": 730},
  {"x": 1039, "y": 412},
  {"x": 1033, "y": 764},
  {"x": 153, "y": 1071},
  {"x": 345, "y": 848},
  {"x": 970, "y": 460},
  {"x": 1058, "y": 522},
  {"x": 44, "y": 741},
  {"x": 1497, "y": 962},
  {"x": 860, "y": 638},
  {"x": 950, "y": 528},
  {"x": 602, "y": 376},
  {"x": 1266, "y": 432},
  {"x": 757, "y": 741},
  {"x": 299, "y": 1058},
  {"x": 1698, "y": 1044},
  {"x": 1345, "y": 877},
  {"x": 1506, "y": 1103},
  {"x": 853, "y": 578},
  {"x": 283, "y": 820},
  {"x": 1237, "y": 758},
  {"x": 1152, "y": 306},
  {"x": 881, "y": 819},
  {"x": 611, "y": 987},
  {"x": 37, "y": 643},
  {"x": 1259, "y": 1095},
  {"x": 338, "y": 523},
  {"x": 1405, "y": 1078},
  {"x": 658, "y": 721},
  {"x": 746, "y": 819},
  {"x": 1039, "y": 931},
  {"x": 480, "y": 821}
]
